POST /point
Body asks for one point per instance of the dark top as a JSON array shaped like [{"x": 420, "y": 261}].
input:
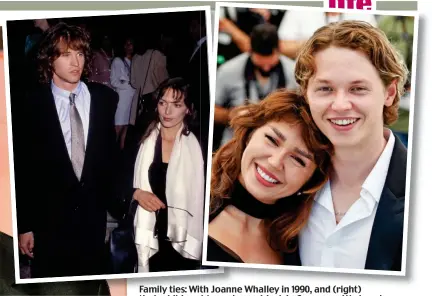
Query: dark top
[
  {"x": 245, "y": 202},
  {"x": 8, "y": 286},
  {"x": 216, "y": 251},
  {"x": 167, "y": 258},
  {"x": 157, "y": 180}
]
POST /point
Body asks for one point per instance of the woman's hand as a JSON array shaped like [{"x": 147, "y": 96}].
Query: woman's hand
[{"x": 148, "y": 201}]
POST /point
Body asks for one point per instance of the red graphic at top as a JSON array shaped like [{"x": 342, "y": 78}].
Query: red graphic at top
[{"x": 351, "y": 4}]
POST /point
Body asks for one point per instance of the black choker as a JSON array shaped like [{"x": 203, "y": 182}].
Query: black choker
[{"x": 245, "y": 202}]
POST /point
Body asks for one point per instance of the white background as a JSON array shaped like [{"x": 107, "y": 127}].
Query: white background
[{"x": 419, "y": 256}]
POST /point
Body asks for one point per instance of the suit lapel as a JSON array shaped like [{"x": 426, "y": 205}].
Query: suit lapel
[
  {"x": 94, "y": 99},
  {"x": 387, "y": 230},
  {"x": 52, "y": 122}
]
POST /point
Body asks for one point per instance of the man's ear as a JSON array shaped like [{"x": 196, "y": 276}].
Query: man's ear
[{"x": 391, "y": 93}]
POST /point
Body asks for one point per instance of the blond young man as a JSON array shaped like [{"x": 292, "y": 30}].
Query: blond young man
[{"x": 352, "y": 78}]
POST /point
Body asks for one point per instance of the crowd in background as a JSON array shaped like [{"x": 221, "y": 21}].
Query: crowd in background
[
  {"x": 120, "y": 45},
  {"x": 131, "y": 59},
  {"x": 262, "y": 39}
]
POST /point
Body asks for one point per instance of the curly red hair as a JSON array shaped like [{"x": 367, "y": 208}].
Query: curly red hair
[{"x": 281, "y": 105}]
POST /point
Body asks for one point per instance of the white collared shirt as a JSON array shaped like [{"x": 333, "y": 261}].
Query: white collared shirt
[
  {"x": 324, "y": 243},
  {"x": 199, "y": 43},
  {"x": 82, "y": 103}
]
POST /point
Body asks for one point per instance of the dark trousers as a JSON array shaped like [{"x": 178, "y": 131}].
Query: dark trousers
[
  {"x": 53, "y": 259},
  {"x": 167, "y": 259}
]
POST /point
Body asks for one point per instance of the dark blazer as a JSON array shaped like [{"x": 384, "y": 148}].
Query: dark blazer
[
  {"x": 66, "y": 215},
  {"x": 385, "y": 245}
]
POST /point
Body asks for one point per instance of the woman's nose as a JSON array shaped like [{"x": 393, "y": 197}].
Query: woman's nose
[{"x": 276, "y": 160}]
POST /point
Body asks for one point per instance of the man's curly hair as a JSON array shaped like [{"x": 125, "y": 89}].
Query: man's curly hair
[{"x": 58, "y": 37}]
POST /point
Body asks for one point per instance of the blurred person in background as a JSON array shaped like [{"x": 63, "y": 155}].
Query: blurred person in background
[
  {"x": 32, "y": 41},
  {"x": 40, "y": 25},
  {"x": 120, "y": 80},
  {"x": 148, "y": 70},
  {"x": 298, "y": 25},
  {"x": 400, "y": 31},
  {"x": 101, "y": 64},
  {"x": 235, "y": 26},
  {"x": 250, "y": 77}
]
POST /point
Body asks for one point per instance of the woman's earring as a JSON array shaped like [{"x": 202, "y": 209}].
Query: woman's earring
[{"x": 299, "y": 193}]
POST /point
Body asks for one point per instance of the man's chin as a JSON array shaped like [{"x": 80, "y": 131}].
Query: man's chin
[{"x": 72, "y": 81}]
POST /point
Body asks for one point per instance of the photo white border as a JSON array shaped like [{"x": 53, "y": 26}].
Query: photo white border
[
  {"x": 30, "y": 15},
  {"x": 410, "y": 136}
]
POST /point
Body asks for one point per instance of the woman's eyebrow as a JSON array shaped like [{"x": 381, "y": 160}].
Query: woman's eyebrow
[
  {"x": 298, "y": 150},
  {"x": 303, "y": 153},
  {"x": 279, "y": 134}
]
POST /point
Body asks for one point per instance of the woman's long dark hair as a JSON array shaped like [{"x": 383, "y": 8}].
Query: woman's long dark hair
[{"x": 180, "y": 89}]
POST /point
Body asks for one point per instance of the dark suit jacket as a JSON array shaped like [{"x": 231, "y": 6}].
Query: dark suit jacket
[
  {"x": 66, "y": 215},
  {"x": 385, "y": 245}
]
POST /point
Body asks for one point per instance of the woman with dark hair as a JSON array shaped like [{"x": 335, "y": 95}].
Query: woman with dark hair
[
  {"x": 168, "y": 184},
  {"x": 264, "y": 181},
  {"x": 101, "y": 63}
]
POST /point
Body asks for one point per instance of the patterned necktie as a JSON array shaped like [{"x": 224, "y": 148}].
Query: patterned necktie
[{"x": 77, "y": 138}]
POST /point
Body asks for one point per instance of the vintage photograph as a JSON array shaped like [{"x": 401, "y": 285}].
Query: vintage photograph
[
  {"x": 311, "y": 139},
  {"x": 110, "y": 134}
]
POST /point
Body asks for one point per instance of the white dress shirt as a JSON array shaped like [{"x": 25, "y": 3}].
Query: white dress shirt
[
  {"x": 82, "y": 103},
  {"x": 324, "y": 243}
]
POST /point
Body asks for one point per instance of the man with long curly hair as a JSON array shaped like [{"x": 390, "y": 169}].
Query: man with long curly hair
[{"x": 65, "y": 152}]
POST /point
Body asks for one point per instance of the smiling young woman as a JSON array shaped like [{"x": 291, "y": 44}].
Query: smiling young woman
[{"x": 264, "y": 180}]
